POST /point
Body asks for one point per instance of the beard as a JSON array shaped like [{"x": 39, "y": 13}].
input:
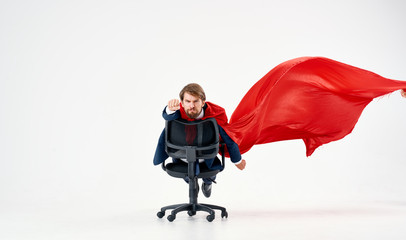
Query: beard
[{"x": 191, "y": 114}]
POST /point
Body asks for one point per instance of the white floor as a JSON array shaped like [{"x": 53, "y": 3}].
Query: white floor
[{"x": 379, "y": 220}]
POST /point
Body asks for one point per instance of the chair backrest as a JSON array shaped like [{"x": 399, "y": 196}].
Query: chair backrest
[{"x": 202, "y": 136}]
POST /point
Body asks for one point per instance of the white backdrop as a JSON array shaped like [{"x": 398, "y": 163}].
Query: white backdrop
[{"x": 83, "y": 84}]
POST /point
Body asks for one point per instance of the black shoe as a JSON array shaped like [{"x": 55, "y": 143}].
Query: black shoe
[{"x": 206, "y": 189}]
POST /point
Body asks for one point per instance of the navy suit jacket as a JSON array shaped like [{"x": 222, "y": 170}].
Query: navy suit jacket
[{"x": 161, "y": 155}]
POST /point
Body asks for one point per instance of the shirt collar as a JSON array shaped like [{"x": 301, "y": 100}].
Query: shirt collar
[{"x": 201, "y": 115}]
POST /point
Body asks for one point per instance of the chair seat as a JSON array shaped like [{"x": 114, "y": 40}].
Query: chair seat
[{"x": 180, "y": 170}]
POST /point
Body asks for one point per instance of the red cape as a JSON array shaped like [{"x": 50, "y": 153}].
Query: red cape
[{"x": 315, "y": 99}]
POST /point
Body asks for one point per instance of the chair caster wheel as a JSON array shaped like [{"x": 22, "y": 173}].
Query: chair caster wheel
[
  {"x": 160, "y": 214},
  {"x": 171, "y": 218},
  {"x": 191, "y": 213},
  {"x": 224, "y": 214},
  {"x": 210, "y": 218}
]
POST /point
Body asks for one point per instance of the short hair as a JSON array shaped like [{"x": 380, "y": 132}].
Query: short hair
[{"x": 193, "y": 89}]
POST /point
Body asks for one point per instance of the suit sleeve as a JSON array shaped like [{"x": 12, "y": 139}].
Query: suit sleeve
[
  {"x": 160, "y": 153},
  {"x": 232, "y": 147},
  {"x": 170, "y": 117}
]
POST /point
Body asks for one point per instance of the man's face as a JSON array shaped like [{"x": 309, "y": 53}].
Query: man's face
[{"x": 192, "y": 105}]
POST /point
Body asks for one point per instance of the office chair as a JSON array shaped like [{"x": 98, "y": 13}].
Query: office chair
[{"x": 192, "y": 141}]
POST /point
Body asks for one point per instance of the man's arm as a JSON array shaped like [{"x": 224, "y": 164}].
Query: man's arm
[
  {"x": 233, "y": 150},
  {"x": 169, "y": 116},
  {"x": 171, "y": 110}
]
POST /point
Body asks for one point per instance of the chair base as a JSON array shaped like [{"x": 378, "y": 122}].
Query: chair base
[
  {"x": 191, "y": 209},
  {"x": 193, "y": 206}
]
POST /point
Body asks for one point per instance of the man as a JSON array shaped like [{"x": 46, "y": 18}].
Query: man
[{"x": 193, "y": 106}]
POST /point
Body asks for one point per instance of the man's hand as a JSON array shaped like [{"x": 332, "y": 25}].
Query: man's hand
[
  {"x": 403, "y": 93},
  {"x": 174, "y": 104},
  {"x": 241, "y": 165}
]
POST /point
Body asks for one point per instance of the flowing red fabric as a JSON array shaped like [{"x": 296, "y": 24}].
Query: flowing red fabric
[{"x": 315, "y": 99}]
